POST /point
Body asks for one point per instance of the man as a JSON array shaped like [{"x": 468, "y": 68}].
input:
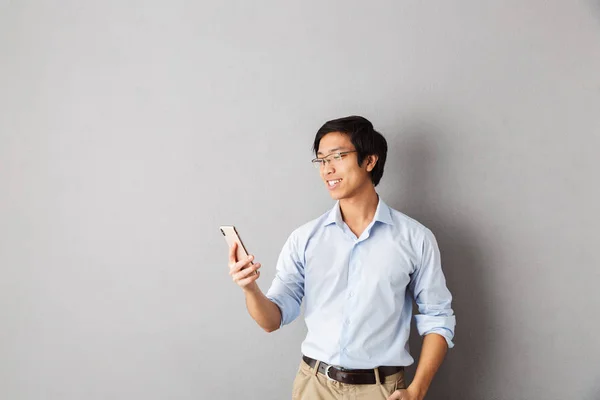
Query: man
[{"x": 357, "y": 267}]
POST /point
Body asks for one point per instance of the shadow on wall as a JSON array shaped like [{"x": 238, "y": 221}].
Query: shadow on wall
[
  {"x": 595, "y": 393},
  {"x": 420, "y": 195},
  {"x": 595, "y": 6}
]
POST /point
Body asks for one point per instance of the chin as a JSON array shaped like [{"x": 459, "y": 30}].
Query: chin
[{"x": 336, "y": 196}]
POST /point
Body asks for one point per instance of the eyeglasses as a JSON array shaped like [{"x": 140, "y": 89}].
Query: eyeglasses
[{"x": 333, "y": 158}]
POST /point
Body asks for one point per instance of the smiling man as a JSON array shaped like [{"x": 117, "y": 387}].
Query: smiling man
[{"x": 357, "y": 268}]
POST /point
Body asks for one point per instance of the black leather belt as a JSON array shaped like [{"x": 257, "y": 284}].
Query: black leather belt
[{"x": 352, "y": 376}]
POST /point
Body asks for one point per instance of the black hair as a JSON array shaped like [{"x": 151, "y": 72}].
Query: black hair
[{"x": 366, "y": 140}]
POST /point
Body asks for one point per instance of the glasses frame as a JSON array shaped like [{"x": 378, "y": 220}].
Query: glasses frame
[{"x": 336, "y": 157}]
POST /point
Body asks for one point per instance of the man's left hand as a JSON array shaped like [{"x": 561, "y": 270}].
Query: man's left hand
[{"x": 404, "y": 394}]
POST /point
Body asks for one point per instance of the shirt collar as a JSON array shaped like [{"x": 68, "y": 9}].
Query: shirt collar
[
  {"x": 382, "y": 214},
  {"x": 334, "y": 216}
]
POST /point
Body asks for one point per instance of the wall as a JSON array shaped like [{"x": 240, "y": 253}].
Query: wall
[{"x": 130, "y": 131}]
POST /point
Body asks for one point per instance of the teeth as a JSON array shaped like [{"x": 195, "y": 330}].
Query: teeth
[{"x": 331, "y": 183}]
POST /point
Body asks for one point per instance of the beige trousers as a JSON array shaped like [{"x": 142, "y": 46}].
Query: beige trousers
[{"x": 312, "y": 385}]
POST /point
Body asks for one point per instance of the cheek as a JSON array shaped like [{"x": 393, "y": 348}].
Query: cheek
[
  {"x": 355, "y": 178},
  {"x": 350, "y": 174}
]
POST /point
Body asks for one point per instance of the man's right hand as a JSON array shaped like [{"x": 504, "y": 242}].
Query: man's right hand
[{"x": 241, "y": 271}]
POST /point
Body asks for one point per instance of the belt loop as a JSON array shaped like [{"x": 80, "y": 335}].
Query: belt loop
[
  {"x": 316, "y": 371},
  {"x": 377, "y": 380}
]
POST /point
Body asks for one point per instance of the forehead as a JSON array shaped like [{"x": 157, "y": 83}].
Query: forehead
[{"x": 334, "y": 141}]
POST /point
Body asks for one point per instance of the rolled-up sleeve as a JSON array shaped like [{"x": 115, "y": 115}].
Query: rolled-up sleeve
[
  {"x": 431, "y": 293},
  {"x": 287, "y": 289}
]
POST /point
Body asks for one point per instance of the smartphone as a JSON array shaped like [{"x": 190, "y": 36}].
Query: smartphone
[{"x": 231, "y": 237}]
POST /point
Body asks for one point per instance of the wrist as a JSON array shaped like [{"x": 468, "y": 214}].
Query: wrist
[
  {"x": 251, "y": 289},
  {"x": 417, "y": 391}
]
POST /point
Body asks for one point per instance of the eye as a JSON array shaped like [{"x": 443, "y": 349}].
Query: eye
[
  {"x": 318, "y": 162},
  {"x": 337, "y": 156}
]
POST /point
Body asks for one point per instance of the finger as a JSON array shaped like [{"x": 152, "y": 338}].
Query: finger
[
  {"x": 249, "y": 280},
  {"x": 232, "y": 256},
  {"x": 246, "y": 272},
  {"x": 240, "y": 265},
  {"x": 397, "y": 395}
]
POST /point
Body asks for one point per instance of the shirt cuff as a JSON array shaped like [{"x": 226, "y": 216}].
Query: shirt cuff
[
  {"x": 442, "y": 325},
  {"x": 286, "y": 309}
]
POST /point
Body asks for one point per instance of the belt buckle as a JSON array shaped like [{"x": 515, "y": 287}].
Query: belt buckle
[{"x": 327, "y": 373}]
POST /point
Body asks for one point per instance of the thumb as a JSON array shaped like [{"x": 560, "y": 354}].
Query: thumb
[
  {"x": 397, "y": 395},
  {"x": 232, "y": 253}
]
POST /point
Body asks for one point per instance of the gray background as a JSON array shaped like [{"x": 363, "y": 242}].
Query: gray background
[{"x": 129, "y": 131}]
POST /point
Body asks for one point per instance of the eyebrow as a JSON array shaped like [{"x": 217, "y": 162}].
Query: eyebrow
[{"x": 337, "y": 149}]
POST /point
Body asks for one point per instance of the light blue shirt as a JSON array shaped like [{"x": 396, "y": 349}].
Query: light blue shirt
[{"x": 358, "y": 291}]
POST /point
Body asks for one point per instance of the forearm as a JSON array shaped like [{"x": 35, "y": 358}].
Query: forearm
[
  {"x": 433, "y": 351},
  {"x": 266, "y": 313}
]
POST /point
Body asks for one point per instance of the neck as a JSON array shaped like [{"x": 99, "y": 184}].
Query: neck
[{"x": 360, "y": 209}]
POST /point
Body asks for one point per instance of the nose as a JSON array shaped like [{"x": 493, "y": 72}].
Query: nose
[{"x": 328, "y": 168}]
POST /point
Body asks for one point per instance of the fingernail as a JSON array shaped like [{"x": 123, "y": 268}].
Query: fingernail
[{"x": 250, "y": 258}]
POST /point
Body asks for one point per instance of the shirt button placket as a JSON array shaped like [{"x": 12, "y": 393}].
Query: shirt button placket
[{"x": 349, "y": 304}]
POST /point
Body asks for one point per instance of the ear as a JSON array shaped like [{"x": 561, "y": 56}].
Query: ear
[{"x": 371, "y": 161}]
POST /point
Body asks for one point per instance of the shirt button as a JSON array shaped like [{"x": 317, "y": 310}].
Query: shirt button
[
  {"x": 350, "y": 294},
  {"x": 347, "y": 322}
]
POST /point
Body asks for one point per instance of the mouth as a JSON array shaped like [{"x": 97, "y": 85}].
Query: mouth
[{"x": 333, "y": 183}]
